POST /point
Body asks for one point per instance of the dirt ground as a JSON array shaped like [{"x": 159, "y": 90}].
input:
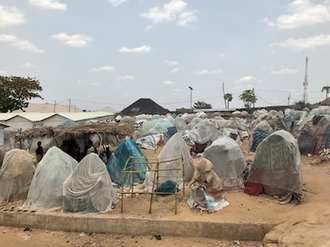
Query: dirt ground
[{"x": 297, "y": 225}]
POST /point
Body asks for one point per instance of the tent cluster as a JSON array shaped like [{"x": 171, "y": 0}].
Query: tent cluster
[
  {"x": 90, "y": 184},
  {"x": 57, "y": 180},
  {"x": 273, "y": 136}
]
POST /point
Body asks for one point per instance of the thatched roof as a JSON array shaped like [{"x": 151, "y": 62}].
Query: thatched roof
[{"x": 106, "y": 130}]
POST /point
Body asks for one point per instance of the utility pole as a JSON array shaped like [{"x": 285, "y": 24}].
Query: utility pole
[
  {"x": 69, "y": 105},
  {"x": 289, "y": 99},
  {"x": 54, "y": 106},
  {"x": 223, "y": 92},
  {"x": 305, "y": 84},
  {"x": 191, "y": 89}
]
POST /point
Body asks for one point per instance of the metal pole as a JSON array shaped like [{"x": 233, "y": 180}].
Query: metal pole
[{"x": 191, "y": 89}]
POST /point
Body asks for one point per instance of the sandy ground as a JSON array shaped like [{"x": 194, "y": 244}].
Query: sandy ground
[{"x": 298, "y": 225}]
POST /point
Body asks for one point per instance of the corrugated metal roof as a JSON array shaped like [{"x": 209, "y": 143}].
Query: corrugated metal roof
[
  {"x": 78, "y": 116},
  {"x": 37, "y": 116},
  {"x": 6, "y": 116},
  {"x": 4, "y": 125},
  {"x": 31, "y": 116}
]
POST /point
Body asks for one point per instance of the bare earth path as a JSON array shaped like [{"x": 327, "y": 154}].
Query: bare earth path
[{"x": 302, "y": 225}]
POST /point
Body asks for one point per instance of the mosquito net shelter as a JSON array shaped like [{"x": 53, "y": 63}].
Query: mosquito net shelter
[
  {"x": 180, "y": 125},
  {"x": 16, "y": 175},
  {"x": 156, "y": 126},
  {"x": 204, "y": 132},
  {"x": 89, "y": 188},
  {"x": 228, "y": 161},
  {"x": 314, "y": 134},
  {"x": 46, "y": 190},
  {"x": 275, "y": 169},
  {"x": 2, "y": 155},
  {"x": 170, "y": 160},
  {"x": 260, "y": 132},
  {"x": 128, "y": 157}
]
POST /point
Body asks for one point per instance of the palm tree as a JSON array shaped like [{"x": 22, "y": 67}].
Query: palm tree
[
  {"x": 248, "y": 97},
  {"x": 202, "y": 105},
  {"x": 228, "y": 97},
  {"x": 327, "y": 90}
]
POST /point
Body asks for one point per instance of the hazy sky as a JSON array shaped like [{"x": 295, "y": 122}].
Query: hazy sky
[{"x": 112, "y": 52}]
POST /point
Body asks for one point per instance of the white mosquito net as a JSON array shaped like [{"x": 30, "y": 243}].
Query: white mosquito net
[
  {"x": 89, "y": 188},
  {"x": 46, "y": 189},
  {"x": 203, "y": 132},
  {"x": 175, "y": 147},
  {"x": 16, "y": 175},
  {"x": 228, "y": 161}
]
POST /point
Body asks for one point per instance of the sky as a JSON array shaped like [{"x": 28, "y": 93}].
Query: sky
[{"x": 97, "y": 53}]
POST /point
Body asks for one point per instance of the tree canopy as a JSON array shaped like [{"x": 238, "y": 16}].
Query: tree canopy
[
  {"x": 228, "y": 97},
  {"x": 248, "y": 97},
  {"x": 15, "y": 92},
  {"x": 202, "y": 105},
  {"x": 327, "y": 90}
]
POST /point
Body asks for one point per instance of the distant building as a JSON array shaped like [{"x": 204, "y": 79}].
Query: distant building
[
  {"x": 2, "y": 136},
  {"x": 29, "y": 120},
  {"x": 326, "y": 101},
  {"x": 49, "y": 108},
  {"x": 144, "y": 106}
]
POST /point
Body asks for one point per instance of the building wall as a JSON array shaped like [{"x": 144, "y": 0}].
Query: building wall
[
  {"x": 19, "y": 122},
  {"x": 2, "y": 137},
  {"x": 54, "y": 121}
]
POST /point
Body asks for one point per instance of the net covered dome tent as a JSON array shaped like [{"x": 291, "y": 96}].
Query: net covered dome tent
[
  {"x": 228, "y": 161},
  {"x": 276, "y": 169},
  {"x": 16, "y": 175},
  {"x": 46, "y": 190},
  {"x": 89, "y": 188},
  {"x": 174, "y": 160},
  {"x": 260, "y": 132},
  {"x": 127, "y": 152},
  {"x": 204, "y": 132}
]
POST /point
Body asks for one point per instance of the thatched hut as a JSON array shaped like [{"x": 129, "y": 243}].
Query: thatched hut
[{"x": 73, "y": 139}]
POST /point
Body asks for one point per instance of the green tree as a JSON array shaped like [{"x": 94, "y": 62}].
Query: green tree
[
  {"x": 248, "y": 97},
  {"x": 327, "y": 90},
  {"x": 301, "y": 105},
  {"x": 202, "y": 105},
  {"x": 228, "y": 97},
  {"x": 15, "y": 92}
]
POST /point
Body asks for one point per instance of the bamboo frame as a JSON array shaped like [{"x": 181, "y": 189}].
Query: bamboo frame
[{"x": 129, "y": 171}]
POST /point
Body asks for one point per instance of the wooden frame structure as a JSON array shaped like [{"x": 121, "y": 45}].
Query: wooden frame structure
[{"x": 153, "y": 166}]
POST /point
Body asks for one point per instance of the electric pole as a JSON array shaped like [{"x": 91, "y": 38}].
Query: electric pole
[
  {"x": 305, "y": 84},
  {"x": 54, "y": 106},
  {"x": 223, "y": 92}
]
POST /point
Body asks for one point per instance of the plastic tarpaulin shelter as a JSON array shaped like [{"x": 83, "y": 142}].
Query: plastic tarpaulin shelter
[
  {"x": 46, "y": 190},
  {"x": 274, "y": 118},
  {"x": 314, "y": 134},
  {"x": 277, "y": 167},
  {"x": 156, "y": 126},
  {"x": 89, "y": 188},
  {"x": 16, "y": 175},
  {"x": 228, "y": 161},
  {"x": 121, "y": 155}
]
